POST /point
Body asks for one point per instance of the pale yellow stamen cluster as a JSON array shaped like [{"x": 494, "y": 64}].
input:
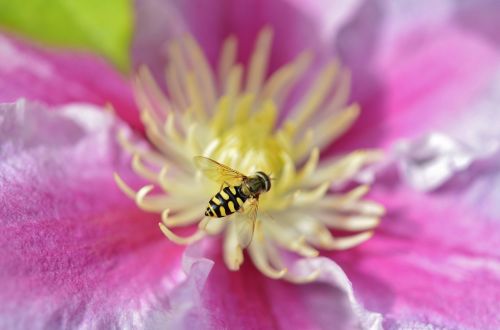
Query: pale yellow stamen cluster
[{"x": 235, "y": 116}]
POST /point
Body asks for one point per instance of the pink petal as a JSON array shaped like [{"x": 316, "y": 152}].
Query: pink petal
[
  {"x": 420, "y": 69},
  {"x": 248, "y": 300},
  {"x": 297, "y": 26},
  {"x": 74, "y": 252},
  {"x": 435, "y": 260},
  {"x": 415, "y": 67},
  {"x": 57, "y": 77},
  {"x": 470, "y": 138}
]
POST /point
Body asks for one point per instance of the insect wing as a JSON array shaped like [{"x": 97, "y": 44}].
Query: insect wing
[
  {"x": 218, "y": 172},
  {"x": 245, "y": 223}
]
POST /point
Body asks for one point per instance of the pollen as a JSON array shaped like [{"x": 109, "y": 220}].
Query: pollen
[{"x": 252, "y": 120}]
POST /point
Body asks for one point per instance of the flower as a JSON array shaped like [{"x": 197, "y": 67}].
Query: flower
[
  {"x": 77, "y": 253},
  {"x": 236, "y": 123}
]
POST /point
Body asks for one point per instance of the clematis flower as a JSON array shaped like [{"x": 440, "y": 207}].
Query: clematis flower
[{"x": 76, "y": 252}]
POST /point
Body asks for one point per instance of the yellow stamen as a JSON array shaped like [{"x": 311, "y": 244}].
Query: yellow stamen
[
  {"x": 173, "y": 77},
  {"x": 233, "y": 86},
  {"x": 131, "y": 148},
  {"x": 260, "y": 259},
  {"x": 345, "y": 168},
  {"x": 278, "y": 85},
  {"x": 212, "y": 227},
  {"x": 142, "y": 170},
  {"x": 199, "y": 234},
  {"x": 341, "y": 94},
  {"x": 233, "y": 254},
  {"x": 194, "y": 95},
  {"x": 201, "y": 66},
  {"x": 351, "y": 223},
  {"x": 278, "y": 262},
  {"x": 151, "y": 203},
  {"x": 258, "y": 62},
  {"x": 185, "y": 217},
  {"x": 123, "y": 186},
  {"x": 343, "y": 243},
  {"x": 227, "y": 59},
  {"x": 145, "y": 82},
  {"x": 316, "y": 95}
]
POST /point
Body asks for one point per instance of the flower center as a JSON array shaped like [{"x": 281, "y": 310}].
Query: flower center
[
  {"x": 250, "y": 143},
  {"x": 217, "y": 115}
]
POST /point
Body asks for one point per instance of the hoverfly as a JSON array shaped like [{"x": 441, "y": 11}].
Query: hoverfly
[{"x": 236, "y": 189}]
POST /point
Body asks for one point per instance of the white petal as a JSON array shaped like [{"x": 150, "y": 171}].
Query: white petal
[
  {"x": 332, "y": 274},
  {"x": 430, "y": 161}
]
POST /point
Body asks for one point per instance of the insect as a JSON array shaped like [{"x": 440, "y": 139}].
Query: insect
[{"x": 236, "y": 189}]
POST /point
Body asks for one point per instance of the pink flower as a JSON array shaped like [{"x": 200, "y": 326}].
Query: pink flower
[{"x": 76, "y": 252}]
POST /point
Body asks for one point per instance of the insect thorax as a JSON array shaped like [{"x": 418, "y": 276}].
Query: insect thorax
[{"x": 256, "y": 184}]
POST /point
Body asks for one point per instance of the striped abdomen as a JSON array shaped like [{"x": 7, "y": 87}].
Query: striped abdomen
[{"x": 226, "y": 202}]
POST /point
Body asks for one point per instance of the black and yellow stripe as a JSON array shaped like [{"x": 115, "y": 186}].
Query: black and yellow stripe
[{"x": 226, "y": 202}]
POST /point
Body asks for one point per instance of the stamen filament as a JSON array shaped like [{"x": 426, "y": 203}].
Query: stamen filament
[
  {"x": 185, "y": 217},
  {"x": 199, "y": 234},
  {"x": 351, "y": 223},
  {"x": 259, "y": 258},
  {"x": 124, "y": 187},
  {"x": 344, "y": 243},
  {"x": 281, "y": 81},
  {"x": 233, "y": 254},
  {"x": 139, "y": 167},
  {"x": 259, "y": 60},
  {"x": 335, "y": 126},
  {"x": 206, "y": 76},
  {"x": 227, "y": 59},
  {"x": 316, "y": 95},
  {"x": 147, "y": 88}
]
